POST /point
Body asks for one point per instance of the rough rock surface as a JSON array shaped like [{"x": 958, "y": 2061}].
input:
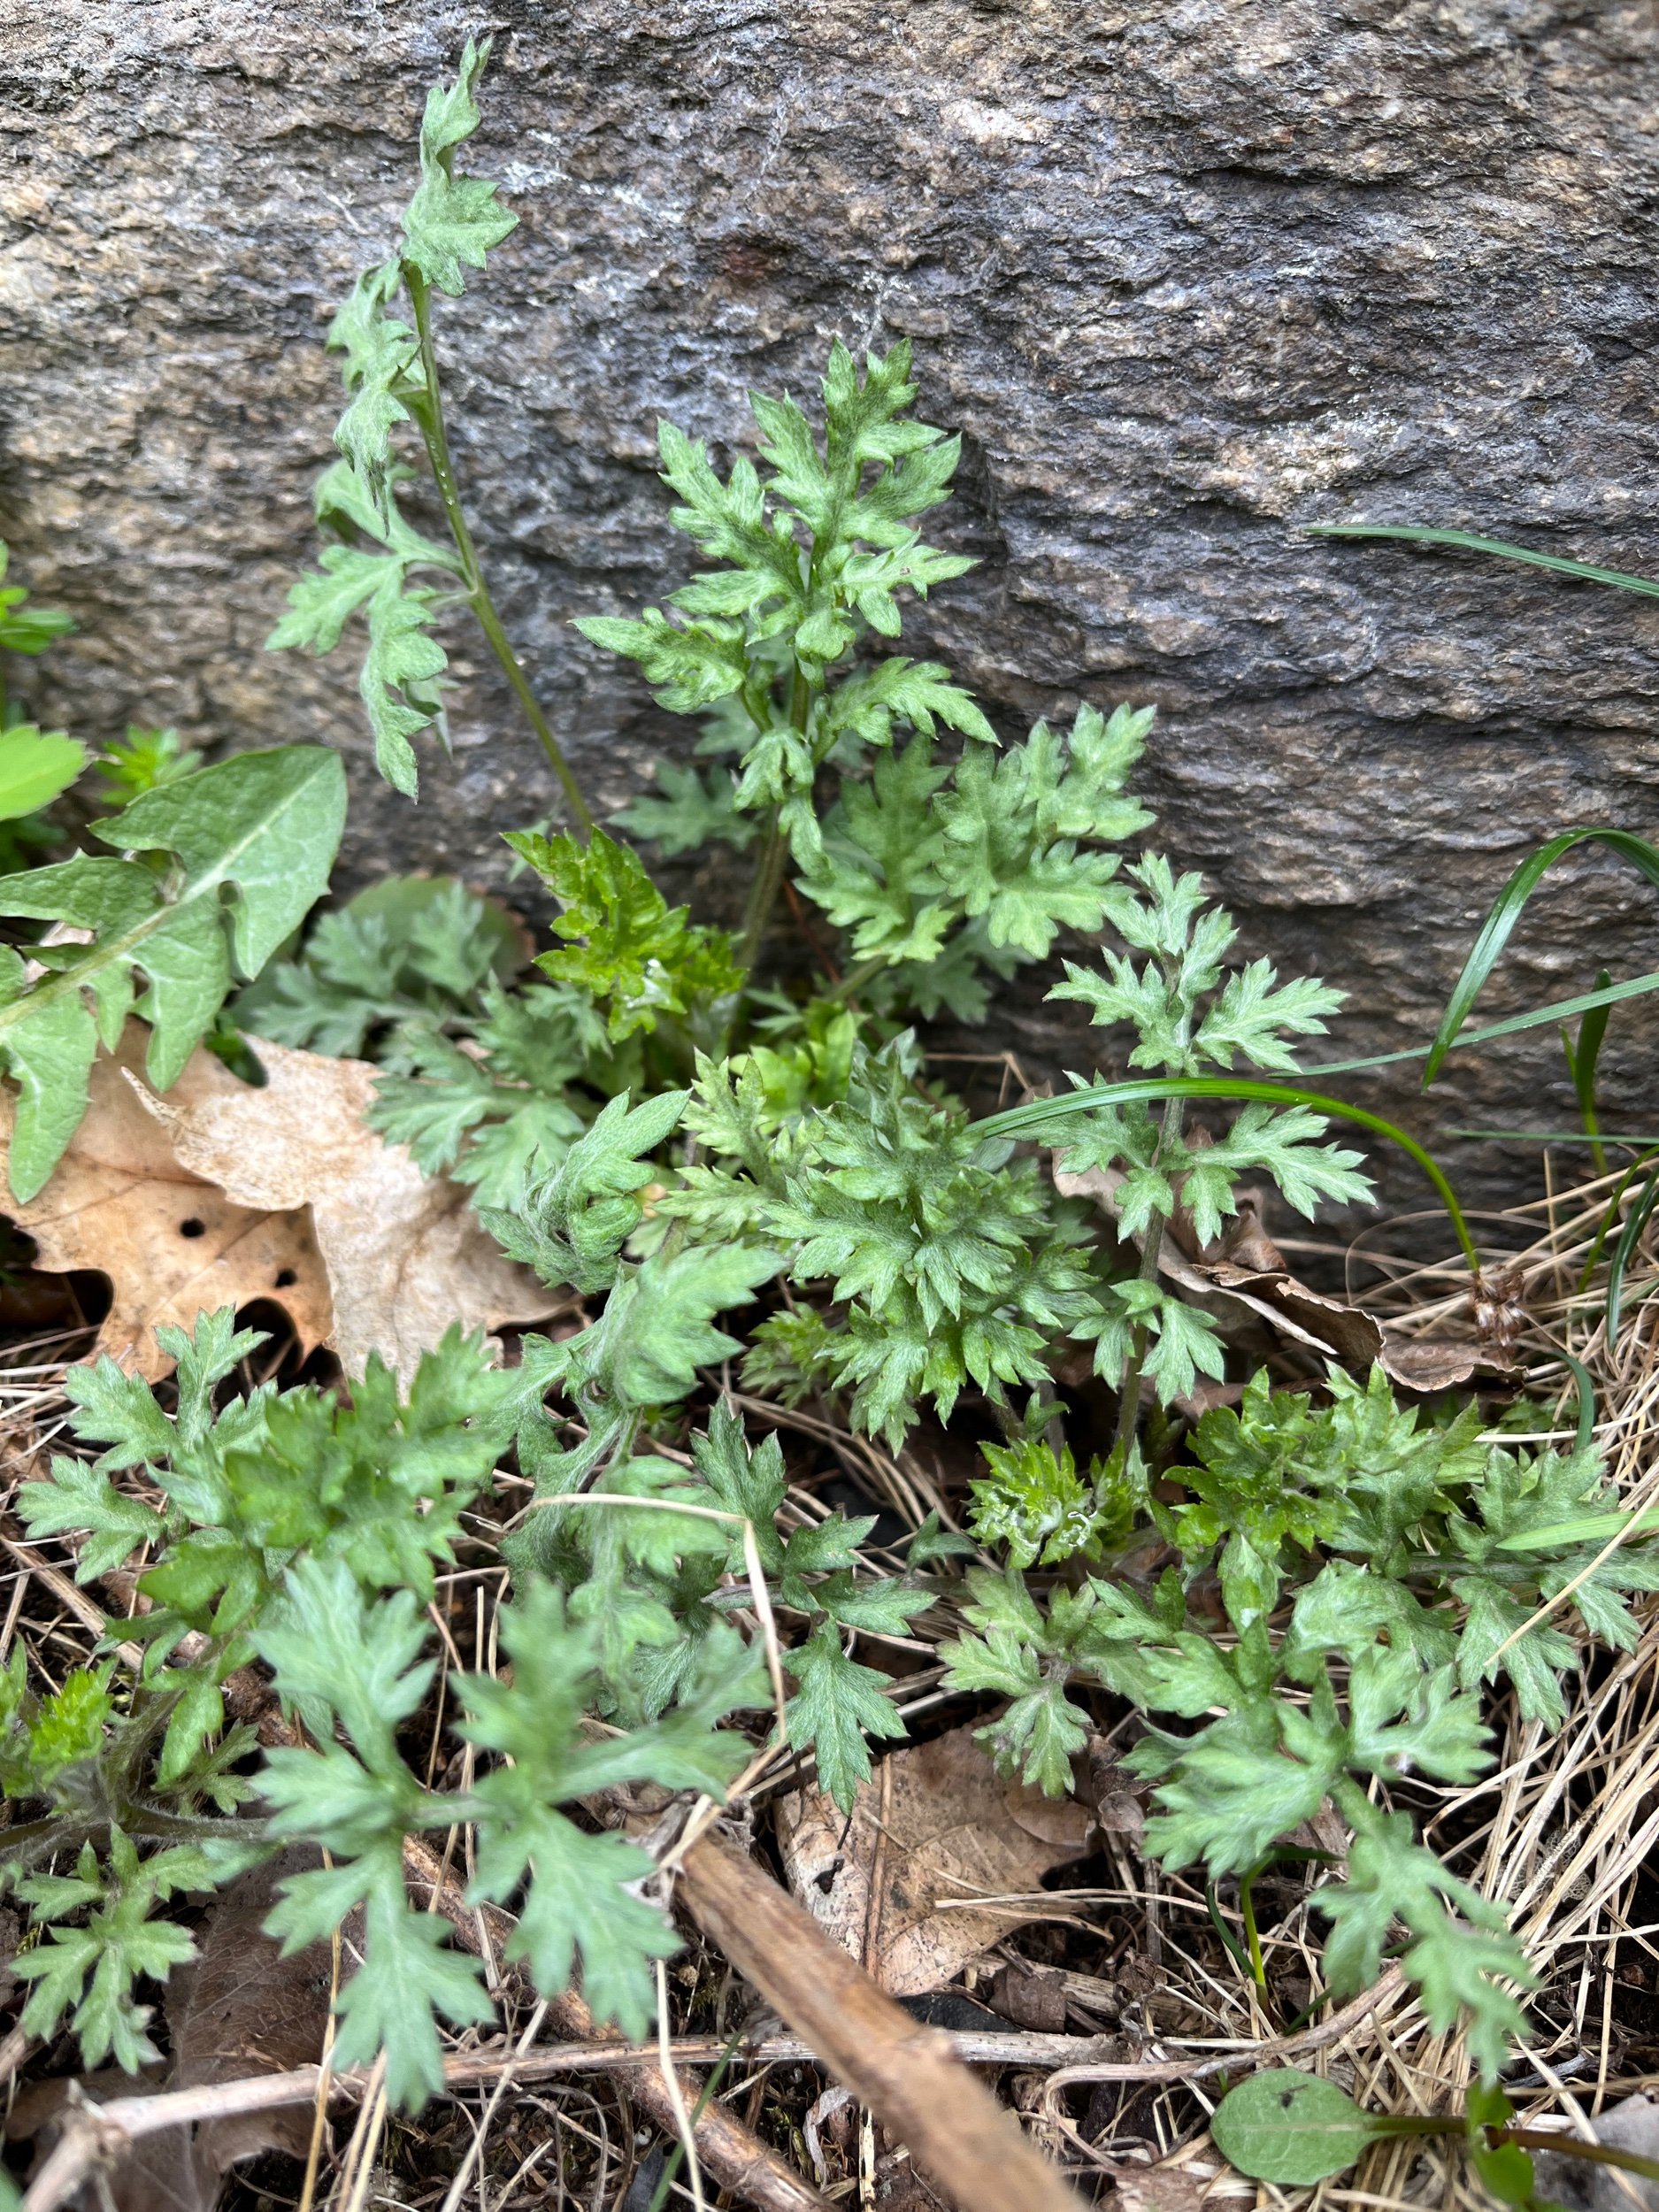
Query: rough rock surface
[{"x": 1186, "y": 277}]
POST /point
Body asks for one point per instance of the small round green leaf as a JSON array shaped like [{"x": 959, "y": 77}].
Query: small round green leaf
[{"x": 1290, "y": 2127}]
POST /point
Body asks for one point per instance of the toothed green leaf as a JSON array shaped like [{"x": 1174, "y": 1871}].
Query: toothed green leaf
[
  {"x": 838, "y": 1705},
  {"x": 625, "y": 947},
  {"x": 264, "y": 823},
  {"x": 452, "y": 221}
]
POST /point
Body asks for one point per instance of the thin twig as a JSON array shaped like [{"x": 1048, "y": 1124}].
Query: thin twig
[
  {"x": 1377, "y": 1999},
  {"x": 106, "y": 2132}
]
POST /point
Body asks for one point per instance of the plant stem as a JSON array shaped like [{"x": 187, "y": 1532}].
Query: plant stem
[
  {"x": 1569, "y": 2147},
  {"x": 1247, "y": 1913},
  {"x": 854, "y": 981},
  {"x": 427, "y": 409},
  {"x": 65, "y": 1832},
  {"x": 1389, "y": 2126},
  {"x": 162, "y": 1826},
  {"x": 1129, "y": 1399},
  {"x": 775, "y": 853},
  {"x": 26, "y": 1831},
  {"x": 764, "y": 893},
  {"x": 1235, "y": 1949}
]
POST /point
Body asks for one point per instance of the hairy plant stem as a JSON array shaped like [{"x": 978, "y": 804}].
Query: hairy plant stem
[
  {"x": 763, "y": 895},
  {"x": 162, "y": 1826},
  {"x": 1129, "y": 1400},
  {"x": 67, "y": 1832},
  {"x": 854, "y": 980},
  {"x": 774, "y": 856},
  {"x": 426, "y": 407},
  {"x": 19, "y": 1834}
]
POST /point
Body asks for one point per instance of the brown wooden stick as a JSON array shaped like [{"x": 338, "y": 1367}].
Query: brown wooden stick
[
  {"x": 738, "y": 2159},
  {"x": 906, "y": 2073}
]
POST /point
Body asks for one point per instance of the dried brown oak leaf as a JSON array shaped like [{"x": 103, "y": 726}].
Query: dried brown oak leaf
[
  {"x": 405, "y": 1254},
  {"x": 244, "y": 2008},
  {"x": 933, "y": 1829},
  {"x": 171, "y": 1244}
]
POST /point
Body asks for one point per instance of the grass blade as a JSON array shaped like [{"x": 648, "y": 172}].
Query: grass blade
[
  {"x": 1031, "y": 1120},
  {"x": 1414, "y": 533},
  {"x": 1635, "y": 1222},
  {"x": 1551, "y": 1136},
  {"x": 1610, "y": 1215},
  {"x": 1581, "y": 1061},
  {"x": 1586, "y": 1386},
  {"x": 1558, "y": 1011},
  {"x": 1507, "y": 909},
  {"x": 1589, "y": 1528}
]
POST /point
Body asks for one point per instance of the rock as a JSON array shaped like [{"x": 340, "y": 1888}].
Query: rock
[{"x": 1185, "y": 279}]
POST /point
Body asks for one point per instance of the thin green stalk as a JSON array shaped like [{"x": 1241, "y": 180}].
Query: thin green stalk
[
  {"x": 1550, "y": 1136},
  {"x": 775, "y": 852},
  {"x": 854, "y": 980},
  {"x": 1235, "y": 1949},
  {"x": 1569, "y": 2146},
  {"x": 1151, "y": 1249},
  {"x": 1387, "y": 2125},
  {"x": 1467, "y": 541},
  {"x": 1591, "y": 1120},
  {"x": 1559, "y": 1010},
  {"x": 670, "y": 2165},
  {"x": 1582, "y": 1055},
  {"x": 1252, "y": 1937},
  {"x": 1635, "y": 1221},
  {"x": 1585, "y": 1401},
  {"x": 763, "y": 896},
  {"x": 1610, "y": 1215},
  {"x": 426, "y": 407}
]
